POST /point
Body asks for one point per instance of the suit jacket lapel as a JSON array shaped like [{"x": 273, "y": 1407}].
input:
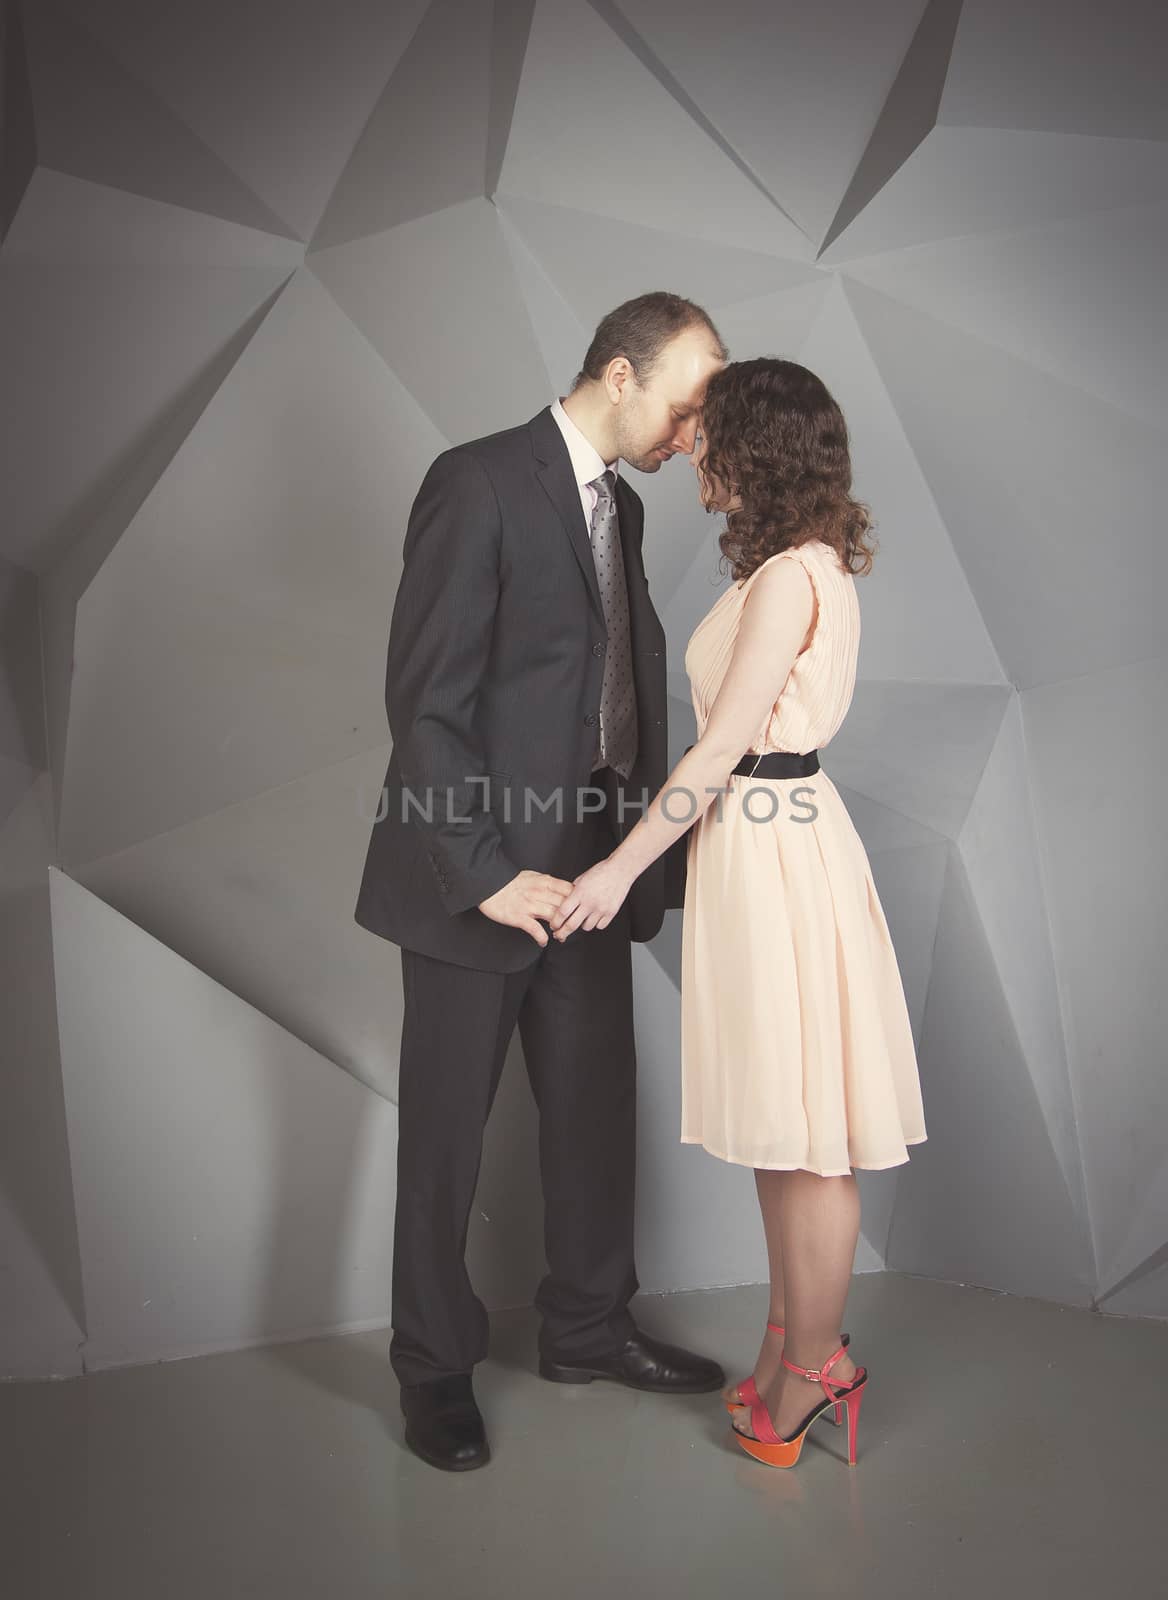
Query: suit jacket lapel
[{"x": 554, "y": 471}]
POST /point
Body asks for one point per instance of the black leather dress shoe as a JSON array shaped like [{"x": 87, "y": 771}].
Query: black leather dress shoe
[
  {"x": 643, "y": 1363},
  {"x": 444, "y": 1425}
]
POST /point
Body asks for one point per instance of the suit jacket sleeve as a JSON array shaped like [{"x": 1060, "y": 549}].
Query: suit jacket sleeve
[
  {"x": 439, "y": 647},
  {"x": 676, "y": 866},
  {"x": 676, "y": 862}
]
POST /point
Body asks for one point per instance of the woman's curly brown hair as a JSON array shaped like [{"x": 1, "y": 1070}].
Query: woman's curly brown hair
[{"x": 776, "y": 437}]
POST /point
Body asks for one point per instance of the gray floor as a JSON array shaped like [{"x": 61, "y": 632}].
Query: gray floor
[{"x": 1006, "y": 1446}]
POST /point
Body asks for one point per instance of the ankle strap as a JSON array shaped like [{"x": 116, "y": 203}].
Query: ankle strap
[{"x": 819, "y": 1375}]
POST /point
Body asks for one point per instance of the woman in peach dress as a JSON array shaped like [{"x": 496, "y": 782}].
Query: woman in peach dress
[{"x": 797, "y": 1052}]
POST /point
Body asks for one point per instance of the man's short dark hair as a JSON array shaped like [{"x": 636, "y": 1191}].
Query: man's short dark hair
[{"x": 639, "y": 330}]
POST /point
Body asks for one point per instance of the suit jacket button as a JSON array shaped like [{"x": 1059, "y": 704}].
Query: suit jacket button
[
  {"x": 597, "y": 649},
  {"x": 590, "y": 719}
]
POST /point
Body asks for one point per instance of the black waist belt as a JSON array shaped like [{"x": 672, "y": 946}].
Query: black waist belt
[
  {"x": 775, "y": 764},
  {"x": 778, "y": 764}
]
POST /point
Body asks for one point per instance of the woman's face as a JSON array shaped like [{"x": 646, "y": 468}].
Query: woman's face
[{"x": 712, "y": 492}]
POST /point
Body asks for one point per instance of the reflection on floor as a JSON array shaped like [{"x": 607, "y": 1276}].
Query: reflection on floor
[{"x": 1006, "y": 1446}]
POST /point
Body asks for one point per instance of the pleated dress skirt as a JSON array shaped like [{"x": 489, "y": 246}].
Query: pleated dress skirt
[{"x": 797, "y": 1049}]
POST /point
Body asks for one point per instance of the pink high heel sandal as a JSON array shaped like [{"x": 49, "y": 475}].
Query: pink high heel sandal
[
  {"x": 770, "y": 1447},
  {"x": 749, "y": 1391}
]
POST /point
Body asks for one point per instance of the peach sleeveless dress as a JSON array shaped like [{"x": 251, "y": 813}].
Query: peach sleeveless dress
[{"x": 796, "y": 1045}]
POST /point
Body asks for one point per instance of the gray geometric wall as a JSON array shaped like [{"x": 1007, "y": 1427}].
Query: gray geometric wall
[{"x": 259, "y": 262}]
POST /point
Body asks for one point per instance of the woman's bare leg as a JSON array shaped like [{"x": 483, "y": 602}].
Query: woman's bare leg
[
  {"x": 818, "y": 1225},
  {"x": 770, "y": 1201}
]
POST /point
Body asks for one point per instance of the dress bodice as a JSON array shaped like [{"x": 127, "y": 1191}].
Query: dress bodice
[{"x": 815, "y": 698}]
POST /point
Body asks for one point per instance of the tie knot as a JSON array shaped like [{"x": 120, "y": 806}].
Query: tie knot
[{"x": 604, "y": 484}]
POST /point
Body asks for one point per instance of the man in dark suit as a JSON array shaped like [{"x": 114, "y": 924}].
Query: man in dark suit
[{"x": 526, "y": 698}]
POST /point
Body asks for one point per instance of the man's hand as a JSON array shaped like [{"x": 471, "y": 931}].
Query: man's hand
[
  {"x": 527, "y": 896},
  {"x": 594, "y": 899}
]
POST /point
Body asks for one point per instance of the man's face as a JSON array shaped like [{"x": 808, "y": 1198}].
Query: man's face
[{"x": 661, "y": 419}]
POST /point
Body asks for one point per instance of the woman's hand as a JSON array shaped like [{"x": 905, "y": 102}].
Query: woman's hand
[{"x": 595, "y": 898}]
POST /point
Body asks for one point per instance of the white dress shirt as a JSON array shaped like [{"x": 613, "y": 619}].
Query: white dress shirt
[{"x": 587, "y": 462}]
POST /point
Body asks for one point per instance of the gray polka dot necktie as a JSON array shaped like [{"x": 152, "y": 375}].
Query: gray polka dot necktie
[{"x": 617, "y": 742}]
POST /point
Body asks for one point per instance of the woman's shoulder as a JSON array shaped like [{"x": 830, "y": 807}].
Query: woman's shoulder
[
  {"x": 810, "y": 549},
  {"x": 781, "y": 586}
]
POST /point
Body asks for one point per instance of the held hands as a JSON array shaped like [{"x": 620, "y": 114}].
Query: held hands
[
  {"x": 593, "y": 899},
  {"x": 523, "y": 899}
]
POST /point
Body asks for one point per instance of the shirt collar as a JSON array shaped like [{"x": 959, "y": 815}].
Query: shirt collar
[{"x": 587, "y": 462}]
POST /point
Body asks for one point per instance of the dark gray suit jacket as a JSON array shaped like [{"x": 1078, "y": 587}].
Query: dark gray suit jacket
[{"x": 494, "y": 671}]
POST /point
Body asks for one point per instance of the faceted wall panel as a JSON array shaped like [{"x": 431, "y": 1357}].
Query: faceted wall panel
[{"x": 259, "y": 264}]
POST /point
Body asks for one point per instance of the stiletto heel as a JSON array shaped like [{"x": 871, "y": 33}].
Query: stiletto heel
[
  {"x": 770, "y": 1447},
  {"x": 748, "y": 1390},
  {"x": 854, "y": 1401}
]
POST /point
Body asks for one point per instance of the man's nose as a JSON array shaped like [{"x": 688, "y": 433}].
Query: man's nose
[{"x": 686, "y": 436}]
